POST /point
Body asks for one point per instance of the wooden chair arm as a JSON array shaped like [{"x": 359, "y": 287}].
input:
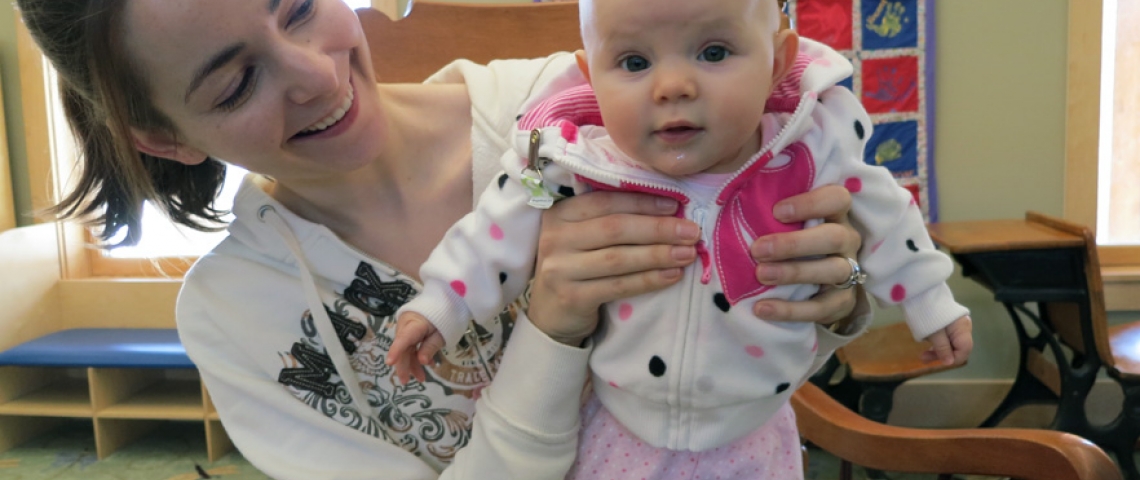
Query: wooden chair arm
[{"x": 1017, "y": 453}]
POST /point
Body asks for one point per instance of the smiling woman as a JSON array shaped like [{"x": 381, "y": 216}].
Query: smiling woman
[{"x": 166, "y": 239}]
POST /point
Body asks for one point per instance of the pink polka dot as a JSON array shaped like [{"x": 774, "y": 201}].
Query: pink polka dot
[
  {"x": 624, "y": 311},
  {"x": 496, "y": 232},
  {"x": 853, "y": 185},
  {"x": 612, "y": 384},
  {"x": 876, "y": 246},
  {"x": 569, "y": 132},
  {"x": 898, "y": 293},
  {"x": 459, "y": 287},
  {"x": 754, "y": 350},
  {"x": 815, "y": 346}
]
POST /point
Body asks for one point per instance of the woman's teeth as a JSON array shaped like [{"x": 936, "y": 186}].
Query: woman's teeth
[{"x": 335, "y": 116}]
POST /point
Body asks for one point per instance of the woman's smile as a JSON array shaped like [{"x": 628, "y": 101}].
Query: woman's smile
[{"x": 336, "y": 122}]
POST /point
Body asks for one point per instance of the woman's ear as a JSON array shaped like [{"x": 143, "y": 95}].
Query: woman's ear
[
  {"x": 162, "y": 145},
  {"x": 787, "y": 48},
  {"x": 583, "y": 65}
]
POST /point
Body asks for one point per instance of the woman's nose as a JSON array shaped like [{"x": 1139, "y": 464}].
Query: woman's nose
[
  {"x": 673, "y": 83},
  {"x": 312, "y": 72}
]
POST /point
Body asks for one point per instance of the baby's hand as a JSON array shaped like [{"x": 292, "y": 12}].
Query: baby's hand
[
  {"x": 415, "y": 335},
  {"x": 952, "y": 345}
]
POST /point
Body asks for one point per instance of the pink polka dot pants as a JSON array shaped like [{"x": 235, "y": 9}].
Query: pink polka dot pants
[{"x": 607, "y": 451}]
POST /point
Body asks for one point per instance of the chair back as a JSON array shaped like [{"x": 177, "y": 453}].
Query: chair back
[
  {"x": 434, "y": 34},
  {"x": 1030, "y": 454},
  {"x": 1073, "y": 321}
]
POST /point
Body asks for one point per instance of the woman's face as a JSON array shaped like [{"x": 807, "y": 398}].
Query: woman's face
[{"x": 280, "y": 87}]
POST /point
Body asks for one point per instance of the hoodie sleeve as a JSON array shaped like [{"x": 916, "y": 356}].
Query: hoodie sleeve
[
  {"x": 483, "y": 262},
  {"x": 900, "y": 260},
  {"x": 525, "y": 424}
]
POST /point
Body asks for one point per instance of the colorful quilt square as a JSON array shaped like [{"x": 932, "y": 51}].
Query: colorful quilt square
[
  {"x": 848, "y": 83},
  {"x": 891, "y": 84},
  {"x": 826, "y": 21},
  {"x": 894, "y": 145},
  {"x": 889, "y": 24}
]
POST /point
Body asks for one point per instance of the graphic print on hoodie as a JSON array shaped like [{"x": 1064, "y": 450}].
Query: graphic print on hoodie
[{"x": 430, "y": 419}]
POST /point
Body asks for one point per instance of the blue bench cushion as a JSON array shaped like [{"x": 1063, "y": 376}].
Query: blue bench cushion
[{"x": 102, "y": 347}]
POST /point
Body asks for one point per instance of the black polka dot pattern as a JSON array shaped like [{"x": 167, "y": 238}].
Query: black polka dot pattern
[
  {"x": 502, "y": 278},
  {"x": 518, "y": 117},
  {"x": 721, "y": 302},
  {"x": 656, "y": 366},
  {"x": 502, "y": 180},
  {"x": 781, "y": 387},
  {"x": 566, "y": 191},
  {"x": 859, "y": 132},
  {"x": 910, "y": 244}
]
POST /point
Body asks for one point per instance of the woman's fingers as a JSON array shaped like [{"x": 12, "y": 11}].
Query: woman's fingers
[
  {"x": 823, "y": 239},
  {"x": 619, "y": 261},
  {"x": 829, "y": 202},
  {"x": 830, "y": 270},
  {"x": 826, "y": 307}
]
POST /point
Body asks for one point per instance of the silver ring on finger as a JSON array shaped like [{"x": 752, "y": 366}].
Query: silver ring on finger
[{"x": 857, "y": 276}]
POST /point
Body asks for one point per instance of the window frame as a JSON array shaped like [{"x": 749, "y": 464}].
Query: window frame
[{"x": 1120, "y": 264}]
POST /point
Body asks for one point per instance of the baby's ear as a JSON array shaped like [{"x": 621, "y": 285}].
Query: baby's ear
[
  {"x": 787, "y": 48},
  {"x": 583, "y": 65}
]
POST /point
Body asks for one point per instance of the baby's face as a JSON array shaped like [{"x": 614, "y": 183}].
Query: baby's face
[{"x": 682, "y": 83}]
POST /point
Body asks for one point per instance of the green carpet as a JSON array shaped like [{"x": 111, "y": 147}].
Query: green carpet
[
  {"x": 177, "y": 451},
  {"x": 174, "y": 451}
]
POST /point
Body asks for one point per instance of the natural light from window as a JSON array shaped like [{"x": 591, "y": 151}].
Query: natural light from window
[
  {"x": 1118, "y": 212},
  {"x": 161, "y": 238}
]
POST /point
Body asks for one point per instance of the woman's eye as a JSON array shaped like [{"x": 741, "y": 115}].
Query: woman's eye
[
  {"x": 301, "y": 13},
  {"x": 634, "y": 63},
  {"x": 241, "y": 92},
  {"x": 715, "y": 53}
]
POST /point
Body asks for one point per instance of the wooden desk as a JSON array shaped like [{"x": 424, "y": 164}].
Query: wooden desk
[
  {"x": 1024, "y": 262},
  {"x": 1019, "y": 261}
]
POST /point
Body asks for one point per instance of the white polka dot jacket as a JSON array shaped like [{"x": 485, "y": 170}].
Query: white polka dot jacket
[{"x": 690, "y": 367}]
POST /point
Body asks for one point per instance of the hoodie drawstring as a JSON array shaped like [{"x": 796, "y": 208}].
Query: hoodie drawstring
[{"x": 321, "y": 318}]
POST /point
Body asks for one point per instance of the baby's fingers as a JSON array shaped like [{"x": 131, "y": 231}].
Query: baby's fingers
[
  {"x": 429, "y": 347},
  {"x": 941, "y": 349}
]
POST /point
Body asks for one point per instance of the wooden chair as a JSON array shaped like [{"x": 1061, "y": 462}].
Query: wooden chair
[
  {"x": 1028, "y": 454},
  {"x": 436, "y": 33}
]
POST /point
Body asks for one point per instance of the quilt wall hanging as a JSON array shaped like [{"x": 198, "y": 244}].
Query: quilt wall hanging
[{"x": 891, "y": 45}]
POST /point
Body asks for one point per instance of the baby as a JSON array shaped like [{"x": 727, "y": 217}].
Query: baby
[{"x": 710, "y": 103}]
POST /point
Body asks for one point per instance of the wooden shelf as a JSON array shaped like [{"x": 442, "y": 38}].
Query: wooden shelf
[
  {"x": 63, "y": 398},
  {"x": 123, "y": 403},
  {"x": 162, "y": 400}
]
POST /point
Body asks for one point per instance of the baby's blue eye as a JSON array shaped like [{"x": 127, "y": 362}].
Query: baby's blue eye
[
  {"x": 634, "y": 63},
  {"x": 715, "y": 53}
]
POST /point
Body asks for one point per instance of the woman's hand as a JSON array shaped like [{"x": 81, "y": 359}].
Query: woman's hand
[
  {"x": 603, "y": 246},
  {"x": 782, "y": 261}
]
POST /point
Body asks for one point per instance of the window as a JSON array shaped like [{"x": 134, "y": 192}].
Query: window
[
  {"x": 1119, "y": 222},
  {"x": 1102, "y": 153}
]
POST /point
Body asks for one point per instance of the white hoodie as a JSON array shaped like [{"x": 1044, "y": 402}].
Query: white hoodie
[{"x": 279, "y": 383}]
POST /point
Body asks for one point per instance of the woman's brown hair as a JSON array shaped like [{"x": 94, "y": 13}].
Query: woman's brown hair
[{"x": 103, "y": 97}]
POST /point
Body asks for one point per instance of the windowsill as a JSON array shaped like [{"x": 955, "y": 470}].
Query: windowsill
[{"x": 1121, "y": 288}]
